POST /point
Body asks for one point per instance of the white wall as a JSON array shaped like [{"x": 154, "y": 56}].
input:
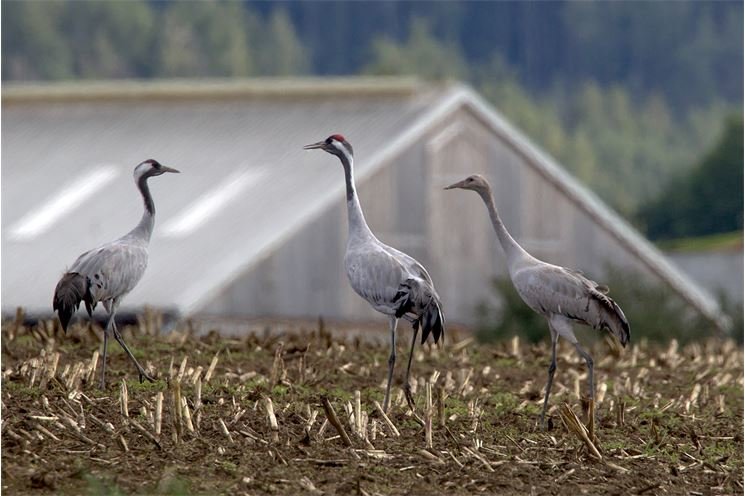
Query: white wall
[{"x": 721, "y": 272}]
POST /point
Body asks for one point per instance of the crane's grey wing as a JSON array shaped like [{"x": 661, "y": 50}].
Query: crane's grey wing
[
  {"x": 581, "y": 275},
  {"x": 410, "y": 264},
  {"x": 396, "y": 284},
  {"x": 113, "y": 269},
  {"x": 550, "y": 289},
  {"x": 375, "y": 275}
]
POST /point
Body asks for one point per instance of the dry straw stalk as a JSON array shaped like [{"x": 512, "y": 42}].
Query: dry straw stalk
[
  {"x": 334, "y": 420},
  {"x": 573, "y": 424}
]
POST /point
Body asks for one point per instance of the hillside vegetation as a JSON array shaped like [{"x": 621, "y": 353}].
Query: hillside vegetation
[{"x": 706, "y": 200}]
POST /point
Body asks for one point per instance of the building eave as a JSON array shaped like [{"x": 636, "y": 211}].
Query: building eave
[{"x": 208, "y": 89}]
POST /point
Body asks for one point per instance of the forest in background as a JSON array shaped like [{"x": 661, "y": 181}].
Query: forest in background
[{"x": 630, "y": 97}]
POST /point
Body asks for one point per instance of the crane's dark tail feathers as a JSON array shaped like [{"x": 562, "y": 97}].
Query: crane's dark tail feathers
[
  {"x": 417, "y": 297},
  {"x": 613, "y": 319},
  {"x": 71, "y": 290},
  {"x": 433, "y": 322}
]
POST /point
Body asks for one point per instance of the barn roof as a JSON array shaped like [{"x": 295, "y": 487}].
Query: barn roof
[{"x": 69, "y": 149}]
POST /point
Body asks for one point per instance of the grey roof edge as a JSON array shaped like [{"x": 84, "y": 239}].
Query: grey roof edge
[
  {"x": 194, "y": 299},
  {"x": 607, "y": 218},
  {"x": 211, "y": 89}
]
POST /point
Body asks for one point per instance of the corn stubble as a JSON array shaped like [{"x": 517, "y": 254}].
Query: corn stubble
[{"x": 663, "y": 418}]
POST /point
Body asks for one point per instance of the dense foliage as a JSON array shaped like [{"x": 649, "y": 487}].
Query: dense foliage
[
  {"x": 690, "y": 52},
  {"x": 707, "y": 200}
]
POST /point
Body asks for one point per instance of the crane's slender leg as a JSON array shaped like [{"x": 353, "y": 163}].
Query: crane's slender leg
[
  {"x": 590, "y": 363},
  {"x": 140, "y": 369},
  {"x": 551, "y": 371},
  {"x": 407, "y": 385},
  {"x": 391, "y": 362},
  {"x": 105, "y": 346}
]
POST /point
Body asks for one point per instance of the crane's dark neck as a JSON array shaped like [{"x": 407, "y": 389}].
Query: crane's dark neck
[
  {"x": 357, "y": 224},
  {"x": 144, "y": 229},
  {"x": 511, "y": 248}
]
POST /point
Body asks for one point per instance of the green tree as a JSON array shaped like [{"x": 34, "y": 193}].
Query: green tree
[
  {"x": 707, "y": 200},
  {"x": 679, "y": 49},
  {"x": 421, "y": 54},
  {"x": 585, "y": 163},
  {"x": 205, "y": 39},
  {"x": 109, "y": 39},
  {"x": 34, "y": 42},
  {"x": 624, "y": 151},
  {"x": 280, "y": 51}
]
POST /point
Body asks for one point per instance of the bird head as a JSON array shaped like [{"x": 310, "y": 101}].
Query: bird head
[
  {"x": 476, "y": 182},
  {"x": 150, "y": 168},
  {"x": 335, "y": 144}
]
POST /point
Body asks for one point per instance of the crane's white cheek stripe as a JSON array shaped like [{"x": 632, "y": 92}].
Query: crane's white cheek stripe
[
  {"x": 209, "y": 204},
  {"x": 72, "y": 196}
]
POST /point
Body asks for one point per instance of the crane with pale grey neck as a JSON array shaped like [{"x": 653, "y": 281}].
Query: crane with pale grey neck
[
  {"x": 392, "y": 282},
  {"x": 561, "y": 295},
  {"x": 108, "y": 273}
]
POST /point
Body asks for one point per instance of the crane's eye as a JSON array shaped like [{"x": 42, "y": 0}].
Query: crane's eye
[{"x": 328, "y": 140}]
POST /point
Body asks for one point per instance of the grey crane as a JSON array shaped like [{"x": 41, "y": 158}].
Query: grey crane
[
  {"x": 108, "y": 273},
  {"x": 392, "y": 282},
  {"x": 561, "y": 295}
]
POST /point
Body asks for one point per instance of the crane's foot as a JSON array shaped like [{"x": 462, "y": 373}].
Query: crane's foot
[
  {"x": 547, "y": 424},
  {"x": 144, "y": 375},
  {"x": 409, "y": 397}
]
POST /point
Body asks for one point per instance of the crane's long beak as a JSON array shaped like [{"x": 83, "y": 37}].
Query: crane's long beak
[
  {"x": 459, "y": 184},
  {"x": 320, "y": 144},
  {"x": 169, "y": 169}
]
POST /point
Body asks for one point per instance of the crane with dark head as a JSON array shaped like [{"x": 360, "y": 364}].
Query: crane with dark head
[
  {"x": 561, "y": 295},
  {"x": 108, "y": 273},
  {"x": 392, "y": 282}
]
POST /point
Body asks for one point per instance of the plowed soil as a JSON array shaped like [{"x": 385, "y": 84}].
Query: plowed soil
[{"x": 669, "y": 418}]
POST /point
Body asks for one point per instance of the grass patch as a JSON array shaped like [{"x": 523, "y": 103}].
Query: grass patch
[
  {"x": 279, "y": 391},
  {"x": 455, "y": 406},
  {"x": 504, "y": 402},
  {"x": 339, "y": 394},
  {"x": 720, "y": 241},
  {"x": 21, "y": 389},
  {"x": 229, "y": 468},
  {"x": 505, "y": 362},
  {"x": 135, "y": 386},
  {"x": 102, "y": 487},
  {"x": 175, "y": 487}
]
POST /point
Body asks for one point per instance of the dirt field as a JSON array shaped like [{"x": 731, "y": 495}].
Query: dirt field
[{"x": 670, "y": 419}]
